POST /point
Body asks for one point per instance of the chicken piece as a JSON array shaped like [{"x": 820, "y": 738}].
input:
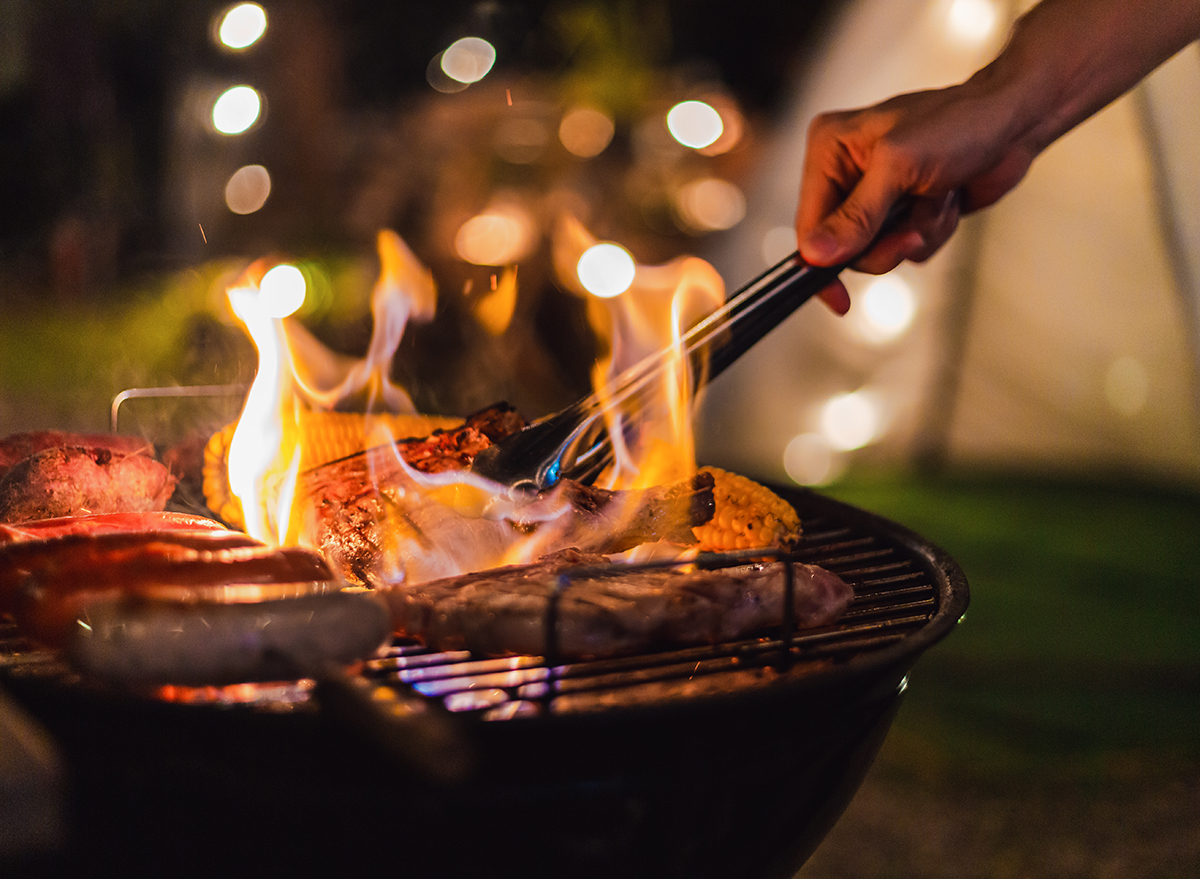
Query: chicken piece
[
  {"x": 379, "y": 525},
  {"x": 19, "y": 446}
]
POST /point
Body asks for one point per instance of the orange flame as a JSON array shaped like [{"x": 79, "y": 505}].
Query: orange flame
[
  {"x": 296, "y": 373},
  {"x": 653, "y": 443}
]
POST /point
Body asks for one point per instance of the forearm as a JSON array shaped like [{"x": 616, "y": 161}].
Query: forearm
[{"x": 1067, "y": 59}]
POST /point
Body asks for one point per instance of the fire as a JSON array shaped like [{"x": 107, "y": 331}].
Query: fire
[
  {"x": 653, "y": 444},
  {"x": 297, "y": 374},
  {"x": 298, "y": 377}
]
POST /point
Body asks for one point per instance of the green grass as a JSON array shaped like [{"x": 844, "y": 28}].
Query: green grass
[{"x": 1080, "y": 652}]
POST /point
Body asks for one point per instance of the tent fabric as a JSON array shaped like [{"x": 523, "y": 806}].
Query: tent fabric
[{"x": 1058, "y": 329}]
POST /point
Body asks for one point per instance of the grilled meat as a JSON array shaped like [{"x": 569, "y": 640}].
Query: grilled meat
[
  {"x": 70, "y": 480},
  {"x": 602, "y": 611},
  {"x": 379, "y": 525},
  {"x": 47, "y": 583},
  {"x": 43, "y": 529},
  {"x": 19, "y": 446}
]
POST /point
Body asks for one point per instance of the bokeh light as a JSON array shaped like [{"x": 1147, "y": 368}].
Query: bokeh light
[
  {"x": 468, "y": 60},
  {"x": 498, "y": 236},
  {"x": 808, "y": 459},
  {"x": 884, "y": 311},
  {"x": 242, "y": 26},
  {"x": 710, "y": 204},
  {"x": 437, "y": 77},
  {"x": 694, "y": 124},
  {"x": 972, "y": 21},
  {"x": 606, "y": 270},
  {"x": 850, "y": 421},
  {"x": 586, "y": 131},
  {"x": 248, "y": 189},
  {"x": 522, "y": 140},
  {"x": 281, "y": 291},
  {"x": 778, "y": 243},
  {"x": 236, "y": 110},
  {"x": 1127, "y": 386}
]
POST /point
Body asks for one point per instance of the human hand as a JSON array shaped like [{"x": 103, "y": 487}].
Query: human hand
[{"x": 949, "y": 151}]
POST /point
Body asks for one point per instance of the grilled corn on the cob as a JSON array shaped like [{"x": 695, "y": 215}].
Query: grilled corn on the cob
[
  {"x": 748, "y": 515},
  {"x": 323, "y": 437}
]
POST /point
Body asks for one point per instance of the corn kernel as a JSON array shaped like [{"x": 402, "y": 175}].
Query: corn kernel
[{"x": 747, "y": 516}]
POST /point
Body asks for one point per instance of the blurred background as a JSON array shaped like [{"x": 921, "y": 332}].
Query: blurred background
[{"x": 1029, "y": 398}]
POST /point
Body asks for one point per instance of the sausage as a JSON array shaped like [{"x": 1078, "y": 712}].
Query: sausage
[
  {"x": 47, "y": 584},
  {"x": 155, "y": 520},
  {"x": 133, "y": 641}
]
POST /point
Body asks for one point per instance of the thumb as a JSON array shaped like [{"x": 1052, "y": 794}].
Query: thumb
[{"x": 847, "y": 232}]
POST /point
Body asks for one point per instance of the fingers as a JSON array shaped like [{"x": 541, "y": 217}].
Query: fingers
[
  {"x": 929, "y": 225},
  {"x": 848, "y": 230},
  {"x": 837, "y": 297}
]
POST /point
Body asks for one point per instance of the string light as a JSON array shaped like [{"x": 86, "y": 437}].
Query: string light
[
  {"x": 248, "y": 189},
  {"x": 586, "y": 131},
  {"x": 884, "y": 309},
  {"x": 710, "y": 204},
  {"x": 242, "y": 26},
  {"x": 778, "y": 243},
  {"x": 281, "y": 291},
  {"x": 809, "y": 460},
  {"x": 498, "y": 236},
  {"x": 236, "y": 110},
  {"x": 694, "y": 124},
  {"x": 606, "y": 270},
  {"x": 850, "y": 421},
  {"x": 1127, "y": 386},
  {"x": 972, "y": 21},
  {"x": 468, "y": 60}
]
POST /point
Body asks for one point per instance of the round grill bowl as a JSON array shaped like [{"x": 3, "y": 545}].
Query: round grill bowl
[{"x": 729, "y": 760}]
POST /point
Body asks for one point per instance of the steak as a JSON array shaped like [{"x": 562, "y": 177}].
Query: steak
[{"x": 603, "y": 610}]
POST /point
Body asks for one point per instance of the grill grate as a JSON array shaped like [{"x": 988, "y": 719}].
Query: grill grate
[
  {"x": 894, "y": 595},
  {"x": 898, "y": 582}
]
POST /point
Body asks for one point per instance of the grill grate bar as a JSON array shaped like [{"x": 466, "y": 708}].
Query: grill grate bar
[
  {"x": 532, "y": 680},
  {"x": 837, "y": 561}
]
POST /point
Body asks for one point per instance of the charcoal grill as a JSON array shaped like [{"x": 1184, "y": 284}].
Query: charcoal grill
[{"x": 725, "y": 760}]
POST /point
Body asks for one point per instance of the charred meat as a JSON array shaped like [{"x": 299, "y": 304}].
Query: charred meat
[
  {"x": 600, "y": 610},
  {"x": 74, "y": 480}
]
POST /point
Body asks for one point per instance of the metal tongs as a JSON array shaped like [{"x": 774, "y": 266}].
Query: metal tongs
[{"x": 574, "y": 443}]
